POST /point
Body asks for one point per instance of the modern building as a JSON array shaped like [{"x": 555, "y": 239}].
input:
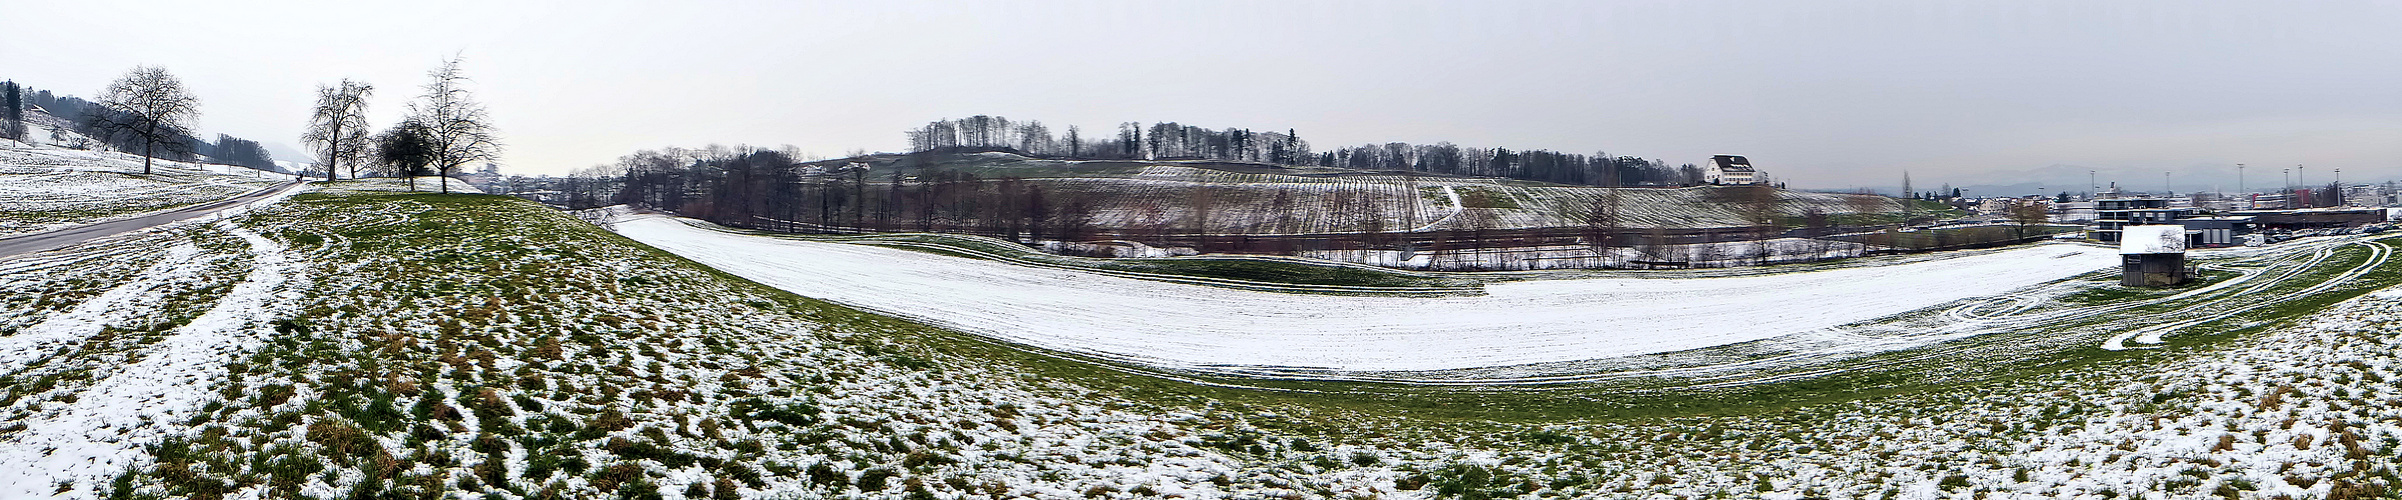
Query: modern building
[
  {"x": 2215, "y": 231},
  {"x": 2313, "y": 218},
  {"x": 1730, "y": 170},
  {"x": 2111, "y": 216},
  {"x": 2153, "y": 255}
]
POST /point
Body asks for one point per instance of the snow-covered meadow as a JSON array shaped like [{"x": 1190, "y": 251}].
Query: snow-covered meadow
[
  {"x": 1208, "y": 328},
  {"x": 45, "y": 188}
]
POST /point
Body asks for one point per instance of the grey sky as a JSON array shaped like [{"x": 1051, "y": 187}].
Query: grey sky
[{"x": 1824, "y": 94}]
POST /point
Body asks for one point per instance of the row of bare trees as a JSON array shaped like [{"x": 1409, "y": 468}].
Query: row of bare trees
[
  {"x": 1132, "y": 140},
  {"x": 445, "y": 130},
  {"x": 751, "y": 187},
  {"x": 147, "y": 111},
  {"x": 1170, "y": 140},
  {"x": 150, "y": 111}
]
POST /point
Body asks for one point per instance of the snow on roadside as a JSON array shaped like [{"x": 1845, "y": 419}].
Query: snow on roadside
[
  {"x": 1195, "y": 327},
  {"x": 44, "y": 189},
  {"x": 103, "y": 431}
]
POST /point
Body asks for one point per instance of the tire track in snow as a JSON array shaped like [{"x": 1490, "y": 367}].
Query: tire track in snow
[
  {"x": 105, "y": 430},
  {"x": 44, "y": 340},
  {"x": 2379, "y": 253}
]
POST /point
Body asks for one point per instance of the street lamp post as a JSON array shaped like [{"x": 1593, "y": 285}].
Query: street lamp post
[{"x": 2302, "y": 178}]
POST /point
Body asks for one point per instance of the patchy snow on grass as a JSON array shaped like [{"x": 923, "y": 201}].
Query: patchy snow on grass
[
  {"x": 102, "y": 429},
  {"x": 43, "y": 340},
  {"x": 467, "y": 346},
  {"x": 1196, "y": 327}
]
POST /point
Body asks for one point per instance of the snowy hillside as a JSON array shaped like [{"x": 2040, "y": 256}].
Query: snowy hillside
[
  {"x": 44, "y": 188},
  {"x": 1268, "y": 199}
]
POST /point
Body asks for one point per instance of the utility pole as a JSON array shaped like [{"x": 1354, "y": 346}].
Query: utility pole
[{"x": 2164, "y": 185}]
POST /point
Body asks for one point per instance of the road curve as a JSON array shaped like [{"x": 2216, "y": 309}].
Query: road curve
[{"x": 21, "y": 245}]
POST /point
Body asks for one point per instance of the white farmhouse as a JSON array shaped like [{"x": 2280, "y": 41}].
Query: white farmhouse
[{"x": 1730, "y": 170}]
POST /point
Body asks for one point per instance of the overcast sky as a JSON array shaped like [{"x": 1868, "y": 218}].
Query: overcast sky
[{"x": 1823, "y": 94}]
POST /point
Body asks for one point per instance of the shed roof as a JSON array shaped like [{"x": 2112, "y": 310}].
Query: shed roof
[{"x": 2152, "y": 239}]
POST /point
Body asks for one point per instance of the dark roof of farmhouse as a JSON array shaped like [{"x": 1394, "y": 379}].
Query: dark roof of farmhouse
[{"x": 1731, "y": 163}]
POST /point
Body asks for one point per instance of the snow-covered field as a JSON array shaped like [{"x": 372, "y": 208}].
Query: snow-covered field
[
  {"x": 46, "y": 188},
  {"x": 1208, "y": 328}
]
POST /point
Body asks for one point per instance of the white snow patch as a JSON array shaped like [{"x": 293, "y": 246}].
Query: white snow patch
[{"x": 2152, "y": 239}]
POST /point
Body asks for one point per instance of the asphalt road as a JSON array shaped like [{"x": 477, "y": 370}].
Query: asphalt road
[{"x": 20, "y": 245}]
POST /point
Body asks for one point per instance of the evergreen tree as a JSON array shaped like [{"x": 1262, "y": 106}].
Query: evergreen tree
[{"x": 12, "y": 112}]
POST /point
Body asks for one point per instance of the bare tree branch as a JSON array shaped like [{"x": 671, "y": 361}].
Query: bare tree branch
[{"x": 460, "y": 131}]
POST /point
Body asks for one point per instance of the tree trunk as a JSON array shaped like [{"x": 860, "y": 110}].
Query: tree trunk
[{"x": 333, "y": 146}]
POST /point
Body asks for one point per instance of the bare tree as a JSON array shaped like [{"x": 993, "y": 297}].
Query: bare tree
[
  {"x": 338, "y": 128},
  {"x": 1817, "y": 223},
  {"x": 458, "y": 129},
  {"x": 2028, "y": 213},
  {"x": 1759, "y": 207},
  {"x": 1602, "y": 224},
  {"x": 150, "y": 105}
]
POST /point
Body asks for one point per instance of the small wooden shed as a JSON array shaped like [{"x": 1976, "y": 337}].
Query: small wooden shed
[{"x": 2154, "y": 255}]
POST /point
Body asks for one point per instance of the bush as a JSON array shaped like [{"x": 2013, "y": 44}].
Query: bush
[
  {"x": 795, "y": 415},
  {"x": 874, "y": 479}
]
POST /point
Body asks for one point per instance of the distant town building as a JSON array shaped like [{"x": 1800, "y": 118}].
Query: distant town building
[
  {"x": 1730, "y": 170},
  {"x": 2113, "y": 215},
  {"x": 2153, "y": 255},
  {"x": 2215, "y": 231},
  {"x": 487, "y": 178},
  {"x": 2314, "y": 218}
]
